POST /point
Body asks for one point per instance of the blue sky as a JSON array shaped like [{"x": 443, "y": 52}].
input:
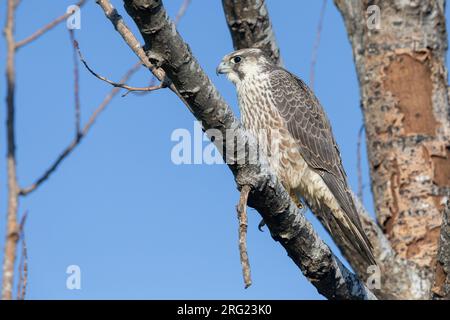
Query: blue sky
[{"x": 138, "y": 226}]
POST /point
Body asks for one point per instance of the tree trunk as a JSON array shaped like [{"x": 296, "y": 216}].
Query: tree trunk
[{"x": 401, "y": 69}]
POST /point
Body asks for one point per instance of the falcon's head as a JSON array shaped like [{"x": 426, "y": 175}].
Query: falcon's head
[{"x": 243, "y": 63}]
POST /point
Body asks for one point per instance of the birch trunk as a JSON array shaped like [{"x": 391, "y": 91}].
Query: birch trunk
[{"x": 399, "y": 49}]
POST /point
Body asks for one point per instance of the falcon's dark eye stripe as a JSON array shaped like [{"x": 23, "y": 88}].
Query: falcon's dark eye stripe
[{"x": 236, "y": 59}]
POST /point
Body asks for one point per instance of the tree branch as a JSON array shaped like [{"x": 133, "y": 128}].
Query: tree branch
[
  {"x": 359, "y": 165},
  {"x": 116, "y": 84},
  {"x": 47, "y": 27},
  {"x": 287, "y": 225},
  {"x": 315, "y": 51},
  {"x": 242, "y": 217},
  {"x": 76, "y": 88},
  {"x": 120, "y": 26},
  {"x": 12, "y": 231},
  {"x": 250, "y": 26}
]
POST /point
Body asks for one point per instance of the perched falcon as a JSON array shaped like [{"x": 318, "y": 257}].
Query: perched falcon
[{"x": 276, "y": 103}]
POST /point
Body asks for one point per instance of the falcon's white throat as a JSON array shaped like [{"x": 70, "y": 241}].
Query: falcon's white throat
[{"x": 249, "y": 69}]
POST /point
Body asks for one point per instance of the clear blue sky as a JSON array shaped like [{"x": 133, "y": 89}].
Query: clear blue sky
[{"x": 139, "y": 226}]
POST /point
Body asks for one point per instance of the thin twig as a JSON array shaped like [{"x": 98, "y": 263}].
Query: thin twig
[
  {"x": 115, "y": 84},
  {"x": 359, "y": 164},
  {"x": 183, "y": 8},
  {"x": 47, "y": 27},
  {"x": 316, "y": 45},
  {"x": 132, "y": 42},
  {"x": 77, "y": 140},
  {"x": 242, "y": 217},
  {"x": 23, "y": 264},
  {"x": 76, "y": 76}
]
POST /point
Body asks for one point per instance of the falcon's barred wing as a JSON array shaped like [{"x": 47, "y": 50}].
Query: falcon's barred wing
[{"x": 308, "y": 124}]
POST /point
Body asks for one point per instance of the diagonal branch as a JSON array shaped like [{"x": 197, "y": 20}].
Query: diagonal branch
[
  {"x": 120, "y": 26},
  {"x": 315, "y": 51},
  {"x": 287, "y": 225},
  {"x": 47, "y": 27},
  {"x": 359, "y": 164},
  {"x": 76, "y": 89},
  {"x": 250, "y": 26}
]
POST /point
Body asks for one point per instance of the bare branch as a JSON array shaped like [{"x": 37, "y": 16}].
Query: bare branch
[
  {"x": 269, "y": 198},
  {"x": 118, "y": 23},
  {"x": 316, "y": 45},
  {"x": 250, "y": 26},
  {"x": 182, "y": 11},
  {"x": 12, "y": 235},
  {"x": 242, "y": 217},
  {"x": 68, "y": 150},
  {"x": 47, "y": 27},
  {"x": 76, "y": 77},
  {"x": 359, "y": 164},
  {"x": 115, "y": 84}
]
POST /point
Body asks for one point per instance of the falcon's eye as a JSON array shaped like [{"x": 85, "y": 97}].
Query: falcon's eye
[{"x": 236, "y": 59}]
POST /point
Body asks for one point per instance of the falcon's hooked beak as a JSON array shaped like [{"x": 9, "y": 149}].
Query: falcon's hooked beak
[{"x": 223, "y": 68}]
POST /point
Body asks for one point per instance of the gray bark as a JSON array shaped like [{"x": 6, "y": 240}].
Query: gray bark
[
  {"x": 250, "y": 26},
  {"x": 167, "y": 50}
]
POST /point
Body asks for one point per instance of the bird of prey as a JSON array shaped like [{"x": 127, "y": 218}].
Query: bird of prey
[{"x": 274, "y": 101}]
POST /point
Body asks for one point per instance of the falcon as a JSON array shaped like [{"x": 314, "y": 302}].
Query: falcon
[{"x": 300, "y": 144}]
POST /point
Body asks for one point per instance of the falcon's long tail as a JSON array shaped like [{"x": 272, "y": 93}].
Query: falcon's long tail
[
  {"x": 339, "y": 216},
  {"x": 353, "y": 236}
]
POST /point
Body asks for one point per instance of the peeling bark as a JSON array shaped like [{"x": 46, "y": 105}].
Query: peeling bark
[
  {"x": 250, "y": 26},
  {"x": 287, "y": 225},
  {"x": 403, "y": 83}
]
